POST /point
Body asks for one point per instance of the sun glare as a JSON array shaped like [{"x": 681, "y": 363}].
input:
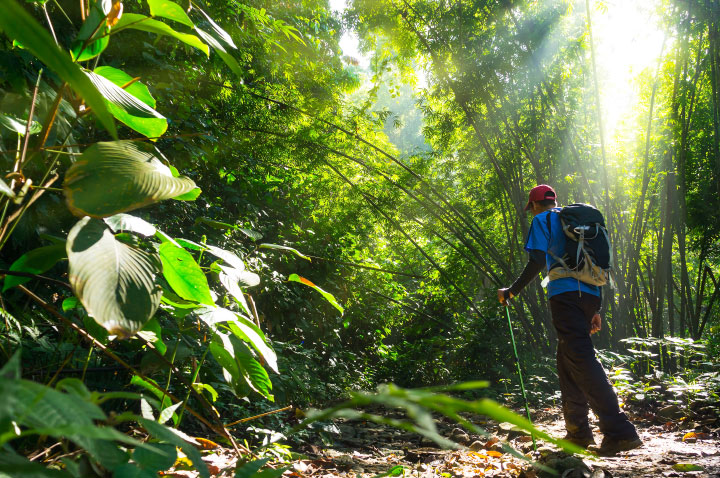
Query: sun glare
[{"x": 628, "y": 40}]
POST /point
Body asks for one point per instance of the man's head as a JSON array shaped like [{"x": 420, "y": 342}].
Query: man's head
[{"x": 541, "y": 198}]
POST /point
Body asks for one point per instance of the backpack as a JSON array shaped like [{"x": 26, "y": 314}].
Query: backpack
[{"x": 588, "y": 254}]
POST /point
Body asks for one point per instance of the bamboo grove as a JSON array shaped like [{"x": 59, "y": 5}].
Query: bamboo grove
[{"x": 302, "y": 222}]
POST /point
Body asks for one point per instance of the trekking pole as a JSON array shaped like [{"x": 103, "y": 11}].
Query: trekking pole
[{"x": 517, "y": 362}]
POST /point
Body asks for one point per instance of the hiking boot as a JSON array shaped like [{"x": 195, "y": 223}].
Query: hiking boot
[
  {"x": 612, "y": 446},
  {"x": 583, "y": 441}
]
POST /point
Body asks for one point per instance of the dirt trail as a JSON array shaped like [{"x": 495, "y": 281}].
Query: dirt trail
[{"x": 366, "y": 450}]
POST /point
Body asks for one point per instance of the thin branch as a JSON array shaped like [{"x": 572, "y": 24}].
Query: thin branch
[
  {"x": 272, "y": 412},
  {"x": 4, "y": 272},
  {"x": 52, "y": 311}
]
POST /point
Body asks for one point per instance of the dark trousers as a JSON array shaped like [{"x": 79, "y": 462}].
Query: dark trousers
[{"x": 583, "y": 383}]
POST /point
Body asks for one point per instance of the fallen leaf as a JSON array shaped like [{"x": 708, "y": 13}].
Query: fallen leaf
[
  {"x": 206, "y": 444},
  {"x": 683, "y": 467}
]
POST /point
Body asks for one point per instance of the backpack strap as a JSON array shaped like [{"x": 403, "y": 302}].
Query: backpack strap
[{"x": 557, "y": 259}]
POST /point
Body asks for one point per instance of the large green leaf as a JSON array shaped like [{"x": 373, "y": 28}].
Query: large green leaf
[
  {"x": 240, "y": 368},
  {"x": 92, "y": 39},
  {"x": 254, "y": 373},
  {"x": 130, "y": 470},
  {"x": 246, "y": 330},
  {"x": 20, "y": 26},
  {"x": 169, "y": 10},
  {"x": 236, "y": 276},
  {"x": 126, "y": 222},
  {"x": 147, "y": 24},
  {"x": 242, "y": 328},
  {"x": 114, "y": 281},
  {"x": 36, "y": 261},
  {"x": 132, "y": 110},
  {"x": 163, "y": 458},
  {"x": 327, "y": 295},
  {"x": 233, "y": 287},
  {"x": 249, "y": 470},
  {"x": 230, "y": 257},
  {"x": 45, "y": 411},
  {"x": 184, "y": 274},
  {"x": 120, "y": 78},
  {"x": 113, "y": 177}
]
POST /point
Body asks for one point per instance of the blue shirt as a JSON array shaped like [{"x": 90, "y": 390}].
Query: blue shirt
[{"x": 545, "y": 240}]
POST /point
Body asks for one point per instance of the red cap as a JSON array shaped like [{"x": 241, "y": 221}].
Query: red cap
[{"x": 540, "y": 193}]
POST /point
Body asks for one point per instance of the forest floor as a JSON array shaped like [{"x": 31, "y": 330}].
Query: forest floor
[{"x": 673, "y": 447}]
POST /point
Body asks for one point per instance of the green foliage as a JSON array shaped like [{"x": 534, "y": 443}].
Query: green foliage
[
  {"x": 110, "y": 178},
  {"x": 18, "y": 25},
  {"x": 402, "y": 187},
  {"x": 115, "y": 282},
  {"x": 37, "y": 261},
  {"x": 328, "y": 296},
  {"x": 184, "y": 274}
]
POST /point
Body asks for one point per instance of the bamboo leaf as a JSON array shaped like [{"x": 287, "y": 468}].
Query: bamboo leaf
[
  {"x": 147, "y": 24},
  {"x": 222, "y": 53},
  {"x": 115, "y": 282},
  {"x": 113, "y": 177},
  {"x": 328, "y": 296},
  {"x": 20, "y": 26},
  {"x": 285, "y": 248},
  {"x": 219, "y": 32}
]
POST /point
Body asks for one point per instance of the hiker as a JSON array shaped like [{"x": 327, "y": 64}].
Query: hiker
[{"x": 575, "y": 310}]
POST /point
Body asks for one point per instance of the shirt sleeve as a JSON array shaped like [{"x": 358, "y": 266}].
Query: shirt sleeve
[
  {"x": 534, "y": 266},
  {"x": 539, "y": 236}
]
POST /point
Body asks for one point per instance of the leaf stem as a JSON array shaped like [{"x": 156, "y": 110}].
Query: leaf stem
[
  {"x": 192, "y": 382},
  {"x": 19, "y": 164},
  {"x": 47, "y": 17},
  {"x": 18, "y": 214},
  {"x": 53, "y": 311},
  {"x": 258, "y": 416}
]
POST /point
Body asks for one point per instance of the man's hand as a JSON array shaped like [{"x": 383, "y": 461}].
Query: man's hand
[
  {"x": 501, "y": 296},
  {"x": 595, "y": 324}
]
